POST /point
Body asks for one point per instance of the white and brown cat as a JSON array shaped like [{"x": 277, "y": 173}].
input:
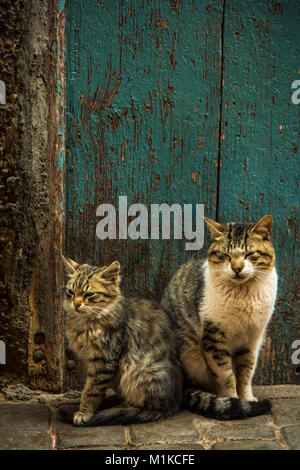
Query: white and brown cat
[{"x": 220, "y": 308}]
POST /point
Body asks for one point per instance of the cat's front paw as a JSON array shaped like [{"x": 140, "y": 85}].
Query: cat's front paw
[
  {"x": 253, "y": 399},
  {"x": 80, "y": 417},
  {"x": 248, "y": 397}
]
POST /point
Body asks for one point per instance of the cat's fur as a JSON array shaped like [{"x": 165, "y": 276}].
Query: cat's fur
[
  {"x": 220, "y": 308},
  {"x": 126, "y": 344}
]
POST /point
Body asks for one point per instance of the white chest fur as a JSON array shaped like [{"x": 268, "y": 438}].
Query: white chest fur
[{"x": 240, "y": 310}]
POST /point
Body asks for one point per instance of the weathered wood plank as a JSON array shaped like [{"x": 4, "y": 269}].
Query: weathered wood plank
[
  {"x": 46, "y": 117},
  {"x": 143, "y": 100},
  {"x": 259, "y": 167}
]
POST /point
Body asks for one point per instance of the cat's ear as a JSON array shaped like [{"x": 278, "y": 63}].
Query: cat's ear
[
  {"x": 264, "y": 227},
  {"x": 70, "y": 266},
  {"x": 111, "y": 273},
  {"x": 216, "y": 229}
]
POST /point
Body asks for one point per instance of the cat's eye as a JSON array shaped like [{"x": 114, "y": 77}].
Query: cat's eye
[
  {"x": 223, "y": 256},
  {"x": 90, "y": 294},
  {"x": 70, "y": 292},
  {"x": 252, "y": 255},
  {"x": 95, "y": 296}
]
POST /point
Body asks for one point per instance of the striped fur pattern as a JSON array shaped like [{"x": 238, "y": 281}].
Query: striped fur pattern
[
  {"x": 220, "y": 307},
  {"x": 126, "y": 344}
]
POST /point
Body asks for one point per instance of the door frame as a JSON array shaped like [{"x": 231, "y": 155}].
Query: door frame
[
  {"x": 46, "y": 354},
  {"x": 46, "y": 318}
]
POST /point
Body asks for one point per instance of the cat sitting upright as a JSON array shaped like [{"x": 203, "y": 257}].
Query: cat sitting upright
[
  {"x": 125, "y": 343},
  {"x": 220, "y": 308}
]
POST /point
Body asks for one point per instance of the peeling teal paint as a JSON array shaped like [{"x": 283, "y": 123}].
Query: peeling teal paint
[
  {"x": 143, "y": 95},
  {"x": 259, "y": 168},
  {"x": 61, "y": 118},
  {"x": 184, "y": 102}
]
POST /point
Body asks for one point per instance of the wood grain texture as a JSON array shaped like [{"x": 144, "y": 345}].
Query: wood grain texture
[
  {"x": 259, "y": 165},
  {"x": 143, "y": 97},
  {"x": 185, "y": 102},
  {"x": 45, "y": 315}
]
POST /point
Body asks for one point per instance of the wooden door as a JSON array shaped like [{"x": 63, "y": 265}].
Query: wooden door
[
  {"x": 259, "y": 164},
  {"x": 184, "y": 102}
]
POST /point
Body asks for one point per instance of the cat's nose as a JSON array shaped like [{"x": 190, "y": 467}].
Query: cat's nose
[
  {"x": 237, "y": 269},
  {"x": 77, "y": 305}
]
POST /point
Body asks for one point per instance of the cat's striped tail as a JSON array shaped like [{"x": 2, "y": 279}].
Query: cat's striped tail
[
  {"x": 223, "y": 408},
  {"x": 118, "y": 415}
]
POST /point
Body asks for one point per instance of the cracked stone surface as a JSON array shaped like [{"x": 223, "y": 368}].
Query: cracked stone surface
[{"x": 35, "y": 425}]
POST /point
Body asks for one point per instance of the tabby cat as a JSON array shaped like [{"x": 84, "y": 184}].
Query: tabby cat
[
  {"x": 126, "y": 344},
  {"x": 220, "y": 308}
]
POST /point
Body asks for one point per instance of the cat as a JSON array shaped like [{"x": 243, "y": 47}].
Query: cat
[
  {"x": 125, "y": 343},
  {"x": 220, "y": 308}
]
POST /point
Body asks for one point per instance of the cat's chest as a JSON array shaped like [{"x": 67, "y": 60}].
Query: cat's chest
[
  {"x": 240, "y": 307},
  {"x": 84, "y": 341}
]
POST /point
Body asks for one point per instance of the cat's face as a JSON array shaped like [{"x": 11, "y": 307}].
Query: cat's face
[
  {"x": 240, "y": 252},
  {"x": 90, "y": 289}
]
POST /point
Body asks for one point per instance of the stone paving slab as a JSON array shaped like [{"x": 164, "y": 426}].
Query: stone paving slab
[
  {"x": 25, "y": 426},
  {"x": 16, "y": 439},
  {"x": 292, "y": 436},
  {"x": 247, "y": 445},
  {"x": 179, "y": 427},
  {"x": 25, "y": 416},
  {"x": 286, "y": 411},
  {"x": 204, "y": 423},
  {"x": 34, "y": 425},
  {"x": 179, "y": 446},
  {"x": 238, "y": 432},
  {"x": 69, "y": 436}
]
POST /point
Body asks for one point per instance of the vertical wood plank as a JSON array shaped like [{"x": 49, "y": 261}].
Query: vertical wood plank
[
  {"x": 46, "y": 328},
  {"x": 259, "y": 166},
  {"x": 143, "y": 101}
]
